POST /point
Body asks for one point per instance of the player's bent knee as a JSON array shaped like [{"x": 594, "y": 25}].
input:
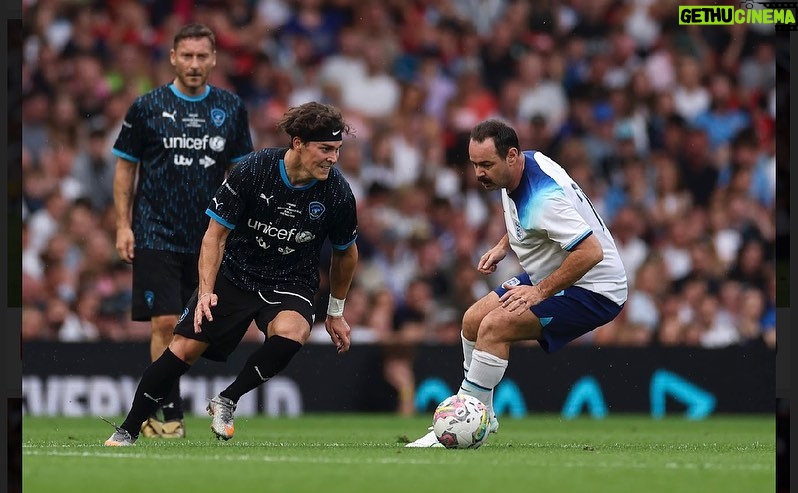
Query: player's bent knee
[
  {"x": 164, "y": 324},
  {"x": 188, "y": 350},
  {"x": 471, "y": 322},
  {"x": 502, "y": 326},
  {"x": 476, "y": 314},
  {"x": 295, "y": 332}
]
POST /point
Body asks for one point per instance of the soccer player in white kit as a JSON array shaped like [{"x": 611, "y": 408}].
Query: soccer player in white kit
[{"x": 572, "y": 281}]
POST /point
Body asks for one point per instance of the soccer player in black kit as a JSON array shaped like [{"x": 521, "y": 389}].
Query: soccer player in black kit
[
  {"x": 181, "y": 139},
  {"x": 260, "y": 261}
]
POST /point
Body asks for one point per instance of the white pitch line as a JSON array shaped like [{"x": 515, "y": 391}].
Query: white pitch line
[
  {"x": 670, "y": 466},
  {"x": 229, "y": 458}
]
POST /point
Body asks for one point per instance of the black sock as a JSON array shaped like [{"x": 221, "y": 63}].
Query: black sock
[
  {"x": 172, "y": 406},
  {"x": 263, "y": 364},
  {"x": 156, "y": 382}
]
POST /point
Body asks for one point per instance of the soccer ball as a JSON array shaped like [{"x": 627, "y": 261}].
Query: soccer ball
[{"x": 461, "y": 421}]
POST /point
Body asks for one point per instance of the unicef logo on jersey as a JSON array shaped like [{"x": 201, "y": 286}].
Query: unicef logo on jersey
[
  {"x": 217, "y": 143},
  {"x": 218, "y": 116},
  {"x": 315, "y": 209}
]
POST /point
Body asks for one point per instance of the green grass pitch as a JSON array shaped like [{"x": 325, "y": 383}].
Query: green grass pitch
[{"x": 351, "y": 453}]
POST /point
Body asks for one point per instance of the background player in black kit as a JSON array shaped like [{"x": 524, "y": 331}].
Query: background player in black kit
[
  {"x": 181, "y": 139},
  {"x": 259, "y": 261}
]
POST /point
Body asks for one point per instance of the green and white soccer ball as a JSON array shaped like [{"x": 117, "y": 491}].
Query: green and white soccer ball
[{"x": 461, "y": 421}]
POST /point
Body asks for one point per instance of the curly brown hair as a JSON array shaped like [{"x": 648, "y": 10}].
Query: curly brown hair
[{"x": 311, "y": 119}]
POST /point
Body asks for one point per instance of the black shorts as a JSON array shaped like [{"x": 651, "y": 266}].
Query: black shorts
[
  {"x": 235, "y": 311},
  {"x": 163, "y": 282}
]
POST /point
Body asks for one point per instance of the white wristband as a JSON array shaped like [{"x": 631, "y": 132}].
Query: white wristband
[{"x": 335, "y": 307}]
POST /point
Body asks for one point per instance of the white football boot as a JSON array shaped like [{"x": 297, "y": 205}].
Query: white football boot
[{"x": 428, "y": 440}]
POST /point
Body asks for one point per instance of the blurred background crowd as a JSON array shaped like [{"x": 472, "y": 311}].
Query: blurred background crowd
[{"x": 670, "y": 130}]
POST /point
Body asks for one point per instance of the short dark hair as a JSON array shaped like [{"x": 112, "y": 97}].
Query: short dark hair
[
  {"x": 503, "y": 135},
  {"x": 311, "y": 119},
  {"x": 194, "y": 31}
]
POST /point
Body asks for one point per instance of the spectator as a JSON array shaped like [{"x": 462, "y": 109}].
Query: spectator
[
  {"x": 672, "y": 201},
  {"x": 94, "y": 167},
  {"x": 750, "y": 266},
  {"x": 78, "y": 325},
  {"x": 722, "y": 119},
  {"x": 690, "y": 96},
  {"x": 44, "y": 223},
  {"x": 746, "y": 158},
  {"x": 539, "y": 95},
  {"x": 698, "y": 171},
  {"x": 716, "y": 331},
  {"x": 376, "y": 94},
  {"x": 642, "y": 308},
  {"x": 627, "y": 229}
]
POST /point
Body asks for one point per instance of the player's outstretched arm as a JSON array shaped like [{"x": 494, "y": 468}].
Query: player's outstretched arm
[
  {"x": 342, "y": 270},
  {"x": 210, "y": 259},
  {"x": 124, "y": 179}
]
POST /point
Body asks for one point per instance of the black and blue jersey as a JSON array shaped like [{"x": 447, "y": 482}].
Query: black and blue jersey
[
  {"x": 278, "y": 229},
  {"x": 184, "y": 146}
]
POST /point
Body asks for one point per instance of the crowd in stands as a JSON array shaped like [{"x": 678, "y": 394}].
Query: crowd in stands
[{"x": 669, "y": 129}]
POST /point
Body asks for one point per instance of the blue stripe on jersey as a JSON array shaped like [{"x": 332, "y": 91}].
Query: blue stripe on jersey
[
  {"x": 343, "y": 247},
  {"x": 573, "y": 244},
  {"x": 287, "y": 182},
  {"x": 535, "y": 188},
  {"x": 179, "y": 94},
  {"x": 220, "y": 220},
  {"x": 124, "y": 155}
]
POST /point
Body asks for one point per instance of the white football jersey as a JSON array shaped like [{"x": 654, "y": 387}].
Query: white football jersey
[{"x": 547, "y": 215}]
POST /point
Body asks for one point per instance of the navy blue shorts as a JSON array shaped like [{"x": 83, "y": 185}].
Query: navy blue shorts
[
  {"x": 163, "y": 282},
  {"x": 568, "y": 314},
  {"x": 236, "y": 310}
]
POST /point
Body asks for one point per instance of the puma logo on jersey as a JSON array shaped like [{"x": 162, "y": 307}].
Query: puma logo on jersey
[
  {"x": 166, "y": 114},
  {"x": 267, "y": 199},
  {"x": 215, "y": 201}
]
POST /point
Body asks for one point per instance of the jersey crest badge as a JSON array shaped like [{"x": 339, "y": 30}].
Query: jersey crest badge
[
  {"x": 149, "y": 298},
  {"x": 218, "y": 116},
  {"x": 315, "y": 209}
]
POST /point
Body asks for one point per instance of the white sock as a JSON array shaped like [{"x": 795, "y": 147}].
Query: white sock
[
  {"x": 468, "y": 348},
  {"x": 484, "y": 374}
]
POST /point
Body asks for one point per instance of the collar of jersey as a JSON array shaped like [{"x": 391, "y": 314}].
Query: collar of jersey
[
  {"x": 287, "y": 182},
  {"x": 179, "y": 94}
]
